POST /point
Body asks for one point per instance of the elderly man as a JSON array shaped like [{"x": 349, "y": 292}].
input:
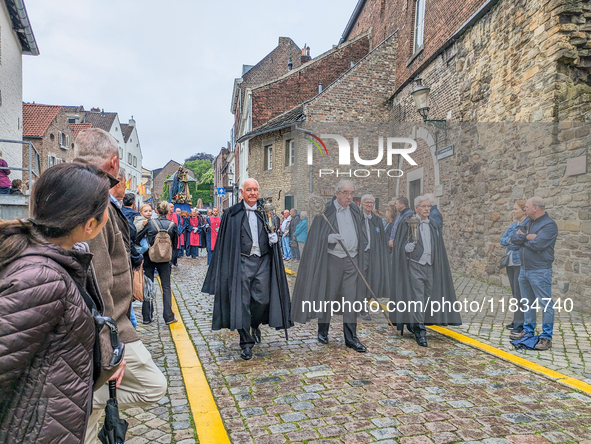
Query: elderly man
[
  {"x": 327, "y": 275},
  {"x": 376, "y": 256},
  {"x": 403, "y": 212},
  {"x": 143, "y": 383},
  {"x": 537, "y": 240},
  {"x": 246, "y": 273},
  {"x": 423, "y": 288}
]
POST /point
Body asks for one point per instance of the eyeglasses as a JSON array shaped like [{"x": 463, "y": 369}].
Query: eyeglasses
[
  {"x": 347, "y": 193},
  {"x": 425, "y": 207}
]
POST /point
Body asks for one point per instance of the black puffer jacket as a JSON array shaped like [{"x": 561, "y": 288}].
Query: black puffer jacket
[{"x": 46, "y": 343}]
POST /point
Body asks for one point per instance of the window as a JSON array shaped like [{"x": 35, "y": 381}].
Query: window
[
  {"x": 289, "y": 152},
  {"x": 419, "y": 25},
  {"x": 50, "y": 161},
  {"x": 414, "y": 190},
  {"x": 62, "y": 139},
  {"x": 129, "y": 158},
  {"x": 120, "y": 153},
  {"x": 134, "y": 161},
  {"x": 268, "y": 150}
]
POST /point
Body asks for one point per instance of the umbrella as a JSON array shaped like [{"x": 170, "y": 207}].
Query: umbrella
[{"x": 114, "y": 428}]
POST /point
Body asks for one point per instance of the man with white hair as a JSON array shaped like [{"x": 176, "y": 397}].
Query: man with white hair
[
  {"x": 537, "y": 240},
  {"x": 422, "y": 281},
  {"x": 143, "y": 383},
  {"x": 246, "y": 273},
  {"x": 376, "y": 256},
  {"x": 326, "y": 275}
]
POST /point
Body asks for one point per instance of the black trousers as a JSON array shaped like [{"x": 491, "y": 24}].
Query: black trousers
[
  {"x": 164, "y": 273},
  {"x": 342, "y": 286},
  {"x": 421, "y": 285},
  {"x": 519, "y": 315},
  {"x": 256, "y": 292}
]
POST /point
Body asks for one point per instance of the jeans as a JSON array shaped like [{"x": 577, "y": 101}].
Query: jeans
[
  {"x": 286, "y": 247},
  {"x": 513, "y": 274},
  {"x": 537, "y": 285},
  {"x": 4, "y": 190},
  {"x": 164, "y": 273}
]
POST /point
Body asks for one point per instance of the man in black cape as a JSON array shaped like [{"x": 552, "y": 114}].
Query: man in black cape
[
  {"x": 246, "y": 273},
  {"x": 421, "y": 277},
  {"x": 326, "y": 273},
  {"x": 377, "y": 264}
]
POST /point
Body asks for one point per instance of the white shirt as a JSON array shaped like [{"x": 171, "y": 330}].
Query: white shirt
[
  {"x": 254, "y": 229},
  {"x": 346, "y": 230},
  {"x": 426, "y": 237}
]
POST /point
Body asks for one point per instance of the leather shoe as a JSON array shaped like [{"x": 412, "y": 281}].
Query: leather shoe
[
  {"x": 246, "y": 353},
  {"x": 421, "y": 338},
  {"x": 357, "y": 346},
  {"x": 510, "y": 326},
  {"x": 256, "y": 334},
  {"x": 323, "y": 339},
  {"x": 517, "y": 336},
  {"x": 543, "y": 344}
]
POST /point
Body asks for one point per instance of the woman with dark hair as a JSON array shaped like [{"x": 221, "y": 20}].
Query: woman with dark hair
[{"x": 47, "y": 331}]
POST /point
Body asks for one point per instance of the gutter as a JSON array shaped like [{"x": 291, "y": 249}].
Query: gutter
[
  {"x": 265, "y": 131},
  {"x": 26, "y": 29},
  {"x": 482, "y": 11},
  {"x": 352, "y": 20}
]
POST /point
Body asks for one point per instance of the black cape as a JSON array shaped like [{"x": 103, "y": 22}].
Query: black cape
[
  {"x": 311, "y": 283},
  {"x": 378, "y": 274},
  {"x": 443, "y": 286},
  {"x": 223, "y": 278}
]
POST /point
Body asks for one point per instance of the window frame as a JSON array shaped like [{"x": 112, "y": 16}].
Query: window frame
[
  {"x": 289, "y": 153},
  {"x": 268, "y": 157},
  {"x": 419, "y": 26}
]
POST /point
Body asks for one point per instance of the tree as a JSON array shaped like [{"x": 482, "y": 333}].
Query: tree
[
  {"x": 200, "y": 156},
  {"x": 198, "y": 167},
  {"x": 165, "y": 190},
  {"x": 207, "y": 177}
]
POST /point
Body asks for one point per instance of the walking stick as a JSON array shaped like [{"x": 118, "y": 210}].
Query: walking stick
[
  {"x": 261, "y": 209},
  {"x": 317, "y": 204}
]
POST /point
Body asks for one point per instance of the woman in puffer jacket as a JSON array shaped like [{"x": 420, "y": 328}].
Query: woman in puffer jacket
[{"x": 46, "y": 329}]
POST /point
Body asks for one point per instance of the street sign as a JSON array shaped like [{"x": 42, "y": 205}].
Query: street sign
[
  {"x": 221, "y": 190},
  {"x": 445, "y": 152}
]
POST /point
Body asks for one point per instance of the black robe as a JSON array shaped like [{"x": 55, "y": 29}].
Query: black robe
[
  {"x": 443, "y": 286},
  {"x": 378, "y": 275},
  {"x": 311, "y": 283},
  {"x": 223, "y": 277}
]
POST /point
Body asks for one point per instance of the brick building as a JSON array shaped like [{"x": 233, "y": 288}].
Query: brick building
[
  {"x": 525, "y": 64},
  {"x": 220, "y": 178},
  {"x": 47, "y": 127}
]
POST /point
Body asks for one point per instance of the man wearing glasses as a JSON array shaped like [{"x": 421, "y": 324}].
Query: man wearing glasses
[
  {"x": 327, "y": 273},
  {"x": 423, "y": 286}
]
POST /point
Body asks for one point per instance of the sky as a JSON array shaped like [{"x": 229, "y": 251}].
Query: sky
[{"x": 171, "y": 65}]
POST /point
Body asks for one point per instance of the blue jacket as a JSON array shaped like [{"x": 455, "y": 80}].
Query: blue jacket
[
  {"x": 301, "y": 231},
  {"x": 537, "y": 254},
  {"x": 506, "y": 241},
  {"x": 435, "y": 216}
]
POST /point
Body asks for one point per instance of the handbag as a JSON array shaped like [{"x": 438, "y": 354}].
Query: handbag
[
  {"x": 138, "y": 284},
  {"x": 504, "y": 261}
]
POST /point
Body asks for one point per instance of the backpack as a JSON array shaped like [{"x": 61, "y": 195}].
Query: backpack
[{"x": 161, "y": 249}]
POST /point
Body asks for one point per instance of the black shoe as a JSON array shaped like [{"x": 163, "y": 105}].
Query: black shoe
[
  {"x": 256, "y": 334},
  {"x": 421, "y": 338},
  {"x": 246, "y": 353},
  {"x": 365, "y": 316},
  {"x": 146, "y": 322},
  {"x": 323, "y": 339},
  {"x": 172, "y": 321},
  {"x": 510, "y": 326},
  {"x": 357, "y": 346}
]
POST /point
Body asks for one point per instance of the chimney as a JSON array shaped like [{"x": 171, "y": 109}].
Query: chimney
[
  {"x": 305, "y": 54},
  {"x": 94, "y": 110},
  {"x": 289, "y": 65},
  {"x": 319, "y": 88},
  {"x": 131, "y": 121}
]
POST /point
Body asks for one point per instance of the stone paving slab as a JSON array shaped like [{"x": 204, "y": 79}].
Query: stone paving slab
[
  {"x": 304, "y": 392},
  {"x": 170, "y": 420}
]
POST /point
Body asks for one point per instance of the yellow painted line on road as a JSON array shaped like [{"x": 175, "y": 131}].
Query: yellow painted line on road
[
  {"x": 522, "y": 362},
  {"x": 208, "y": 422}
]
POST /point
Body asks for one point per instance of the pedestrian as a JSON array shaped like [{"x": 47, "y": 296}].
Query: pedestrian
[
  {"x": 293, "y": 243},
  {"x": 175, "y": 217},
  {"x": 246, "y": 273},
  {"x": 16, "y": 186},
  {"x": 536, "y": 240},
  {"x": 514, "y": 265},
  {"x": 139, "y": 222},
  {"x": 301, "y": 231},
  {"x": 435, "y": 214},
  {"x": 143, "y": 383},
  {"x": 390, "y": 216},
  {"x": 207, "y": 231},
  {"x": 150, "y": 231},
  {"x": 214, "y": 222},
  {"x": 47, "y": 330},
  {"x": 285, "y": 235},
  {"x": 4, "y": 180},
  {"x": 326, "y": 271},
  {"x": 377, "y": 271},
  {"x": 422, "y": 276},
  {"x": 186, "y": 231},
  {"x": 194, "y": 234},
  {"x": 403, "y": 212},
  {"x": 129, "y": 212}
]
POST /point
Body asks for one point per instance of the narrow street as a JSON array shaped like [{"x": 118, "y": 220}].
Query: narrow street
[{"x": 301, "y": 391}]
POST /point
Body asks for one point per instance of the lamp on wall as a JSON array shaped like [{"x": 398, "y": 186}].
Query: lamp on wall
[{"x": 420, "y": 95}]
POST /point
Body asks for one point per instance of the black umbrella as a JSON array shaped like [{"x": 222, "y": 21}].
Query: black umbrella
[{"x": 114, "y": 428}]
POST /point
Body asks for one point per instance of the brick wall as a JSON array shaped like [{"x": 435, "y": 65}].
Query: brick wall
[
  {"x": 301, "y": 84},
  {"x": 275, "y": 63}
]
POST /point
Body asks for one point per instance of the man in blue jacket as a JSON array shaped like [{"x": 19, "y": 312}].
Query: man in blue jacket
[{"x": 537, "y": 240}]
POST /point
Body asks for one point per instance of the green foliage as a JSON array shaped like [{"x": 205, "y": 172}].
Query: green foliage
[
  {"x": 207, "y": 178},
  {"x": 165, "y": 190},
  {"x": 199, "y": 167}
]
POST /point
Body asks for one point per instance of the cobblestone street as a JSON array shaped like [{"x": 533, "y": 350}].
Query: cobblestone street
[{"x": 300, "y": 391}]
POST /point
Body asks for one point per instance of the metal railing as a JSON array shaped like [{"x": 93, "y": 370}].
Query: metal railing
[{"x": 34, "y": 165}]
